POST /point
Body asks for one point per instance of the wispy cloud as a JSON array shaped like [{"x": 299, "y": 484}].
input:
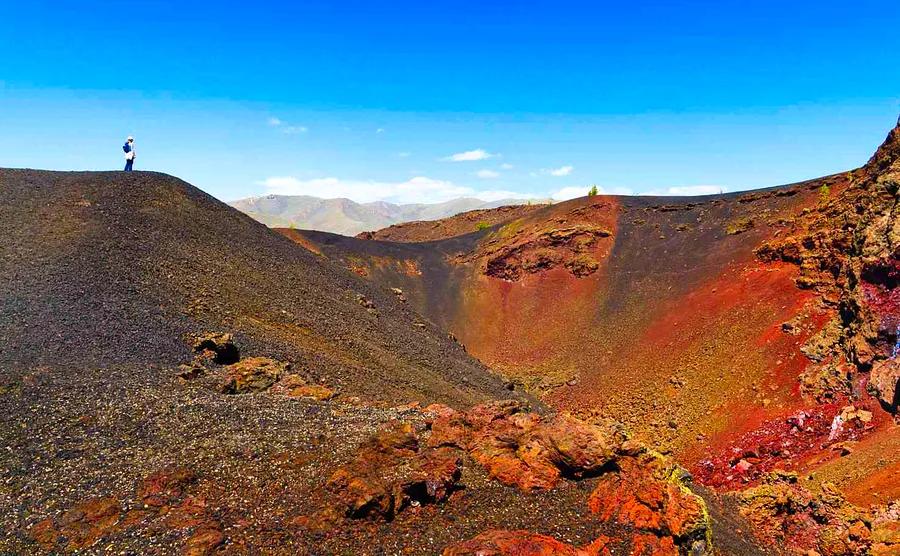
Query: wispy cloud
[
  {"x": 419, "y": 189},
  {"x": 404, "y": 154},
  {"x": 506, "y": 166},
  {"x": 285, "y": 128},
  {"x": 487, "y": 174},
  {"x": 469, "y": 156},
  {"x": 687, "y": 190},
  {"x": 380, "y": 130},
  {"x": 559, "y": 172}
]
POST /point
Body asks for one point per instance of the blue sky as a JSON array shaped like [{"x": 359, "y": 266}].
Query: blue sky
[{"x": 424, "y": 101}]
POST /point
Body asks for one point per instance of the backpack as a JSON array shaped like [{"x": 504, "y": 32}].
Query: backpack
[{"x": 125, "y": 147}]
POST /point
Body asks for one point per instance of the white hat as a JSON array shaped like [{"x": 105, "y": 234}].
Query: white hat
[{"x": 130, "y": 138}]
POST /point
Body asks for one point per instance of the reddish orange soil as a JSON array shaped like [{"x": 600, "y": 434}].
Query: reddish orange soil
[{"x": 674, "y": 324}]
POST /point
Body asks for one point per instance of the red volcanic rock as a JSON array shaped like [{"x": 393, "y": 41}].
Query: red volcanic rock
[
  {"x": 512, "y": 256},
  {"x": 163, "y": 494},
  {"x": 204, "y": 541},
  {"x": 523, "y": 543},
  {"x": 522, "y": 449},
  {"x": 81, "y": 526},
  {"x": 166, "y": 486},
  {"x": 651, "y": 545},
  {"x": 647, "y": 494},
  {"x": 253, "y": 375},
  {"x": 390, "y": 472},
  {"x": 884, "y": 381},
  {"x": 579, "y": 448},
  {"x": 784, "y": 513},
  {"x": 295, "y": 387}
]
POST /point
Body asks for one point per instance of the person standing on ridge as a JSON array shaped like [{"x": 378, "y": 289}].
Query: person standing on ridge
[{"x": 129, "y": 153}]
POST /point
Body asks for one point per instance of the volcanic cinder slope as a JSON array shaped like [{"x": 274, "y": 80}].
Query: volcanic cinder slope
[
  {"x": 743, "y": 333},
  {"x": 177, "y": 378}
]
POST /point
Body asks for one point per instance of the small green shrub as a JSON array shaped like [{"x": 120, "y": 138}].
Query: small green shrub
[
  {"x": 592, "y": 191},
  {"x": 824, "y": 192},
  {"x": 482, "y": 226}
]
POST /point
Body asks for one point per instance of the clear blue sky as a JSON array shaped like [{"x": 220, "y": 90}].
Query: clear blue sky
[{"x": 373, "y": 99}]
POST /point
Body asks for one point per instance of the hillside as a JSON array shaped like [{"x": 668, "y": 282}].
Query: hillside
[
  {"x": 343, "y": 216},
  {"x": 710, "y": 326},
  {"x": 107, "y": 279},
  {"x": 456, "y": 225},
  {"x": 682, "y": 376}
]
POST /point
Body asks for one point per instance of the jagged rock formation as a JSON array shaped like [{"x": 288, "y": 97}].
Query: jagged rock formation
[{"x": 848, "y": 249}]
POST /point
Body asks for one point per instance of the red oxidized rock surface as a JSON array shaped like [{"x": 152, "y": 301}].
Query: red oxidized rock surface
[
  {"x": 519, "y": 448},
  {"x": 523, "y": 543},
  {"x": 785, "y": 514},
  {"x": 81, "y": 526},
  {"x": 253, "y": 374},
  {"x": 391, "y": 472},
  {"x": 165, "y": 494},
  {"x": 647, "y": 494}
]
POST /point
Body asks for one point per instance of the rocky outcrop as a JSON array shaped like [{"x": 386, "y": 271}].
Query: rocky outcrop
[
  {"x": 296, "y": 387},
  {"x": 253, "y": 374},
  {"x": 884, "y": 383},
  {"x": 522, "y": 449},
  {"x": 848, "y": 249},
  {"x": 406, "y": 466},
  {"x": 786, "y": 515},
  {"x": 648, "y": 493},
  {"x": 542, "y": 249},
  {"x": 391, "y": 472}
]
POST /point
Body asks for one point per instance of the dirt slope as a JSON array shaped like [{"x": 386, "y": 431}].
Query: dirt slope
[
  {"x": 108, "y": 269},
  {"x": 456, "y": 225},
  {"x": 669, "y": 315},
  {"x": 104, "y": 280}
]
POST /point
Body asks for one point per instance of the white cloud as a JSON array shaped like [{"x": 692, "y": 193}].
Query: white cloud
[
  {"x": 506, "y": 166},
  {"x": 487, "y": 174},
  {"x": 468, "y": 156},
  {"x": 567, "y": 193},
  {"x": 559, "y": 172},
  {"x": 419, "y": 189},
  {"x": 572, "y": 192},
  {"x": 289, "y": 129},
  {"x": 687, "y": 190}
]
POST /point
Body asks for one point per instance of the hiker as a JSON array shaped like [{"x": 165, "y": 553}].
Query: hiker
[{"x": 128, "y": 147}]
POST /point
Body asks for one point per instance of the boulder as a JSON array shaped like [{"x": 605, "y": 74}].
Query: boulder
[
  {"x": 390, "y": 472},
  {"x": 647, "y": 493},
  {"x": 883, "y": 383},
  {"x": 295, "y": 387},
  {"x": 253, "y": 374}
]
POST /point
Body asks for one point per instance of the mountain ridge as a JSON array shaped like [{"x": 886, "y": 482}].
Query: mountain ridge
[{"x": 347, "y": 217}]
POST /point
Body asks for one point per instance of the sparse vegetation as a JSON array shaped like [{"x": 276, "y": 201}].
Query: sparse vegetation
[
  {"x": 824, "y": 192},
  {"x": 739, "y": 226},
  {"x": 482, "y": 226},
  {"x": 592, "y": 191}
]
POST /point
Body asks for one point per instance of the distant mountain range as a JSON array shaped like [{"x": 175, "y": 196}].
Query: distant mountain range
[{"x": 346, "y": 217}]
